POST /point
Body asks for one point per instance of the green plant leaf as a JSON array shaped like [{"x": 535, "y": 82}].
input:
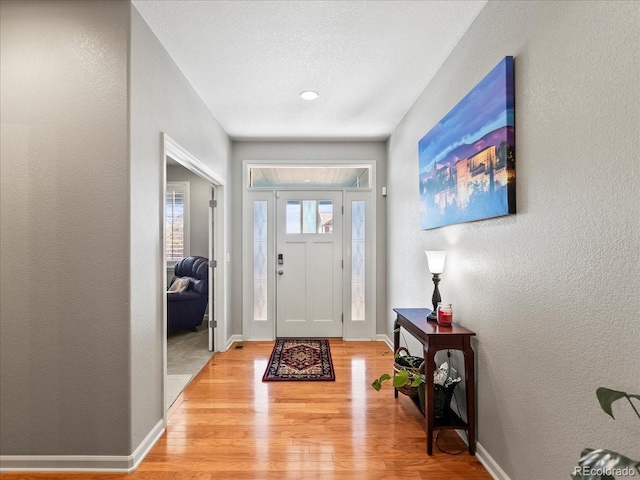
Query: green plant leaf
[
  {"x": 417, "y": 381},
  {"x": 606, "y": 397},
  {"x": 401, "y": 378},
  {"x": 605, "y": 464},
  {"x": 377, "y": 383},
  {"x": 604, "y": 461}
]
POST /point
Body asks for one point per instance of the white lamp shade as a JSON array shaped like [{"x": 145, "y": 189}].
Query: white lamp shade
[{"x": 435, "y": 259}]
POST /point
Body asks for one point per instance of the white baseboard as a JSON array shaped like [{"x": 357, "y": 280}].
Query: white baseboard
[
  {"x": 381, "y": 337},
  {"x": 485, "y": 459},
  {"x": 232, "y": 338},
  {"x": 482, "y": 455},
  {"x": 147, "y": 444},
  {"x": 490, "y": 464},
  {"x": 83, "y": 463}
]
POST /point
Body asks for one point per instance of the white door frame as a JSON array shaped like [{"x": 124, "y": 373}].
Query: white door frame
[
  {"x": 216, "y": 240},
  {"x": 266, "y": 330}
]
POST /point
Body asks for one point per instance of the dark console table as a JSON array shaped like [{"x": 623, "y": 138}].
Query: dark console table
[{"x": 436, "y": 337}]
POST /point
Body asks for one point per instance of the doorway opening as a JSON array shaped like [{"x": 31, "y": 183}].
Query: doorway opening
[{"x": 193, "y": 243}]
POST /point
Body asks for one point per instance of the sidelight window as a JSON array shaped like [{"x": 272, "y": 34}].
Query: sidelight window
[
  {"x": 260, "y": 260},
  {"x": 357, "y": 260}
]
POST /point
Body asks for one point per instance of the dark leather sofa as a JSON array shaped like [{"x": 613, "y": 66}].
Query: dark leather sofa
[{"x": 185, "y": 309}]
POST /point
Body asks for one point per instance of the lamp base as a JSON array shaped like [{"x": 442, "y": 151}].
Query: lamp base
[{"x": 435, "y": 298}]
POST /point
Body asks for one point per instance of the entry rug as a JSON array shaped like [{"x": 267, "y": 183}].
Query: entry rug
[{"x": 300, "y": 359}]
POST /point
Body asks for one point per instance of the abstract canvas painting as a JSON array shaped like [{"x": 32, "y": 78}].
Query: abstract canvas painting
[{"x": 467, "y": 161}]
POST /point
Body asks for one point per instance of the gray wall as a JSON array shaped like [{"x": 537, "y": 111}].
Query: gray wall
[
  {"x": 552, "y": 292},
  {"x": 305, "y": 151},
  {"x": 162, "y": 100},
  {"x": 86, "y": 91},
  {"x": 64, "y": 262}
]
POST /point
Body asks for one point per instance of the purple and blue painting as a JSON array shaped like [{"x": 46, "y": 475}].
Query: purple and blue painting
[{"x": 467, "y": 161}]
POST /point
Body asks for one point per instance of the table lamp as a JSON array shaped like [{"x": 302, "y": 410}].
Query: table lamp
[{"x": 435, "y": 259}]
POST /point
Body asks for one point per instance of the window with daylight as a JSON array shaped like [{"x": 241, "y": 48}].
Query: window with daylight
[
  {"x": 357, "y": 260},
  {"x": 309, "y": 216},
  {"x": 177, "y": 220},
  {"x": 260, "y": 260}
]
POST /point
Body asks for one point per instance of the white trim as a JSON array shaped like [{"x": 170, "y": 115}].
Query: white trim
[
  {"x": 252, "y": 329},
  {"x": 164, "y": 282},
  {"x": 248, "y": 164},
  {"x": 490, "y": 464},
  {"x": 213, "y": 253},
  {"x": 368, "y": 194},
  {"x": 382, "y": 337},
  {"x": 485, "y": 459},
  {"x": 232, "y": 339},
  {"x": 183, "y": 157},
  {"x": 83, "y": 463},
  {"x": 149, "y": 441},
  {"x": 361, "y": 328}
]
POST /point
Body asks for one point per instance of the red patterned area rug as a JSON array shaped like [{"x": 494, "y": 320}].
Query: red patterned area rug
[{"x": 300, "y": 359}]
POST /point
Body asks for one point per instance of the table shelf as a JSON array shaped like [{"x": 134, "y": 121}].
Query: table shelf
[{"x": 451, "y": 420}]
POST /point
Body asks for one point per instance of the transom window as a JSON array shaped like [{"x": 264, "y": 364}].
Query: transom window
[{"x": 310, "y": 176}]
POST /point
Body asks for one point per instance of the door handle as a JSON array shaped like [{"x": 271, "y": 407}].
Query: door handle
[{"x": 280, "y": 272}]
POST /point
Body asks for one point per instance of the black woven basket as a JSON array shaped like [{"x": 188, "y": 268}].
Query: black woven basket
[
  {"x": 404, "y": 361},
  {"x": 442, "y": 400}
]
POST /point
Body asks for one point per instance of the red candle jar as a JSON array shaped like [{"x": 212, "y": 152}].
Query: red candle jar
[{"x": 444, "y": 314}]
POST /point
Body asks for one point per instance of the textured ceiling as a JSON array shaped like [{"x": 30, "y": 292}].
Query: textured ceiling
[{"x": 249, "y": 60}]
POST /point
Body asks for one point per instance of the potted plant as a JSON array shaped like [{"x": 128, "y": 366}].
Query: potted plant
[
  {"x": 409, "y": 378},
  {"x": 603, "y": 464},
  {"x": 408, "y": 375}
]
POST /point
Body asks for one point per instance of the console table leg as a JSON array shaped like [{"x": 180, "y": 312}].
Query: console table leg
[
  {"x": 429, "y": 368},
  {"x": 396, "y": 345},
  {"x": 469, "y": 372}
]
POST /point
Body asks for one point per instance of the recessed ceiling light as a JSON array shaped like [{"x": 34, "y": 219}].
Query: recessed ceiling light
[
  {"x": 309, "y": 95},
  {"x": 307, "y": 181}
]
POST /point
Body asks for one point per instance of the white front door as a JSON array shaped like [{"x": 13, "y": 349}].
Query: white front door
[{"x": 309, "y": 264}]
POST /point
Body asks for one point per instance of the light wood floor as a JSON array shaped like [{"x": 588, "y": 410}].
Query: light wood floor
[{"x": 228, "y": 424}]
